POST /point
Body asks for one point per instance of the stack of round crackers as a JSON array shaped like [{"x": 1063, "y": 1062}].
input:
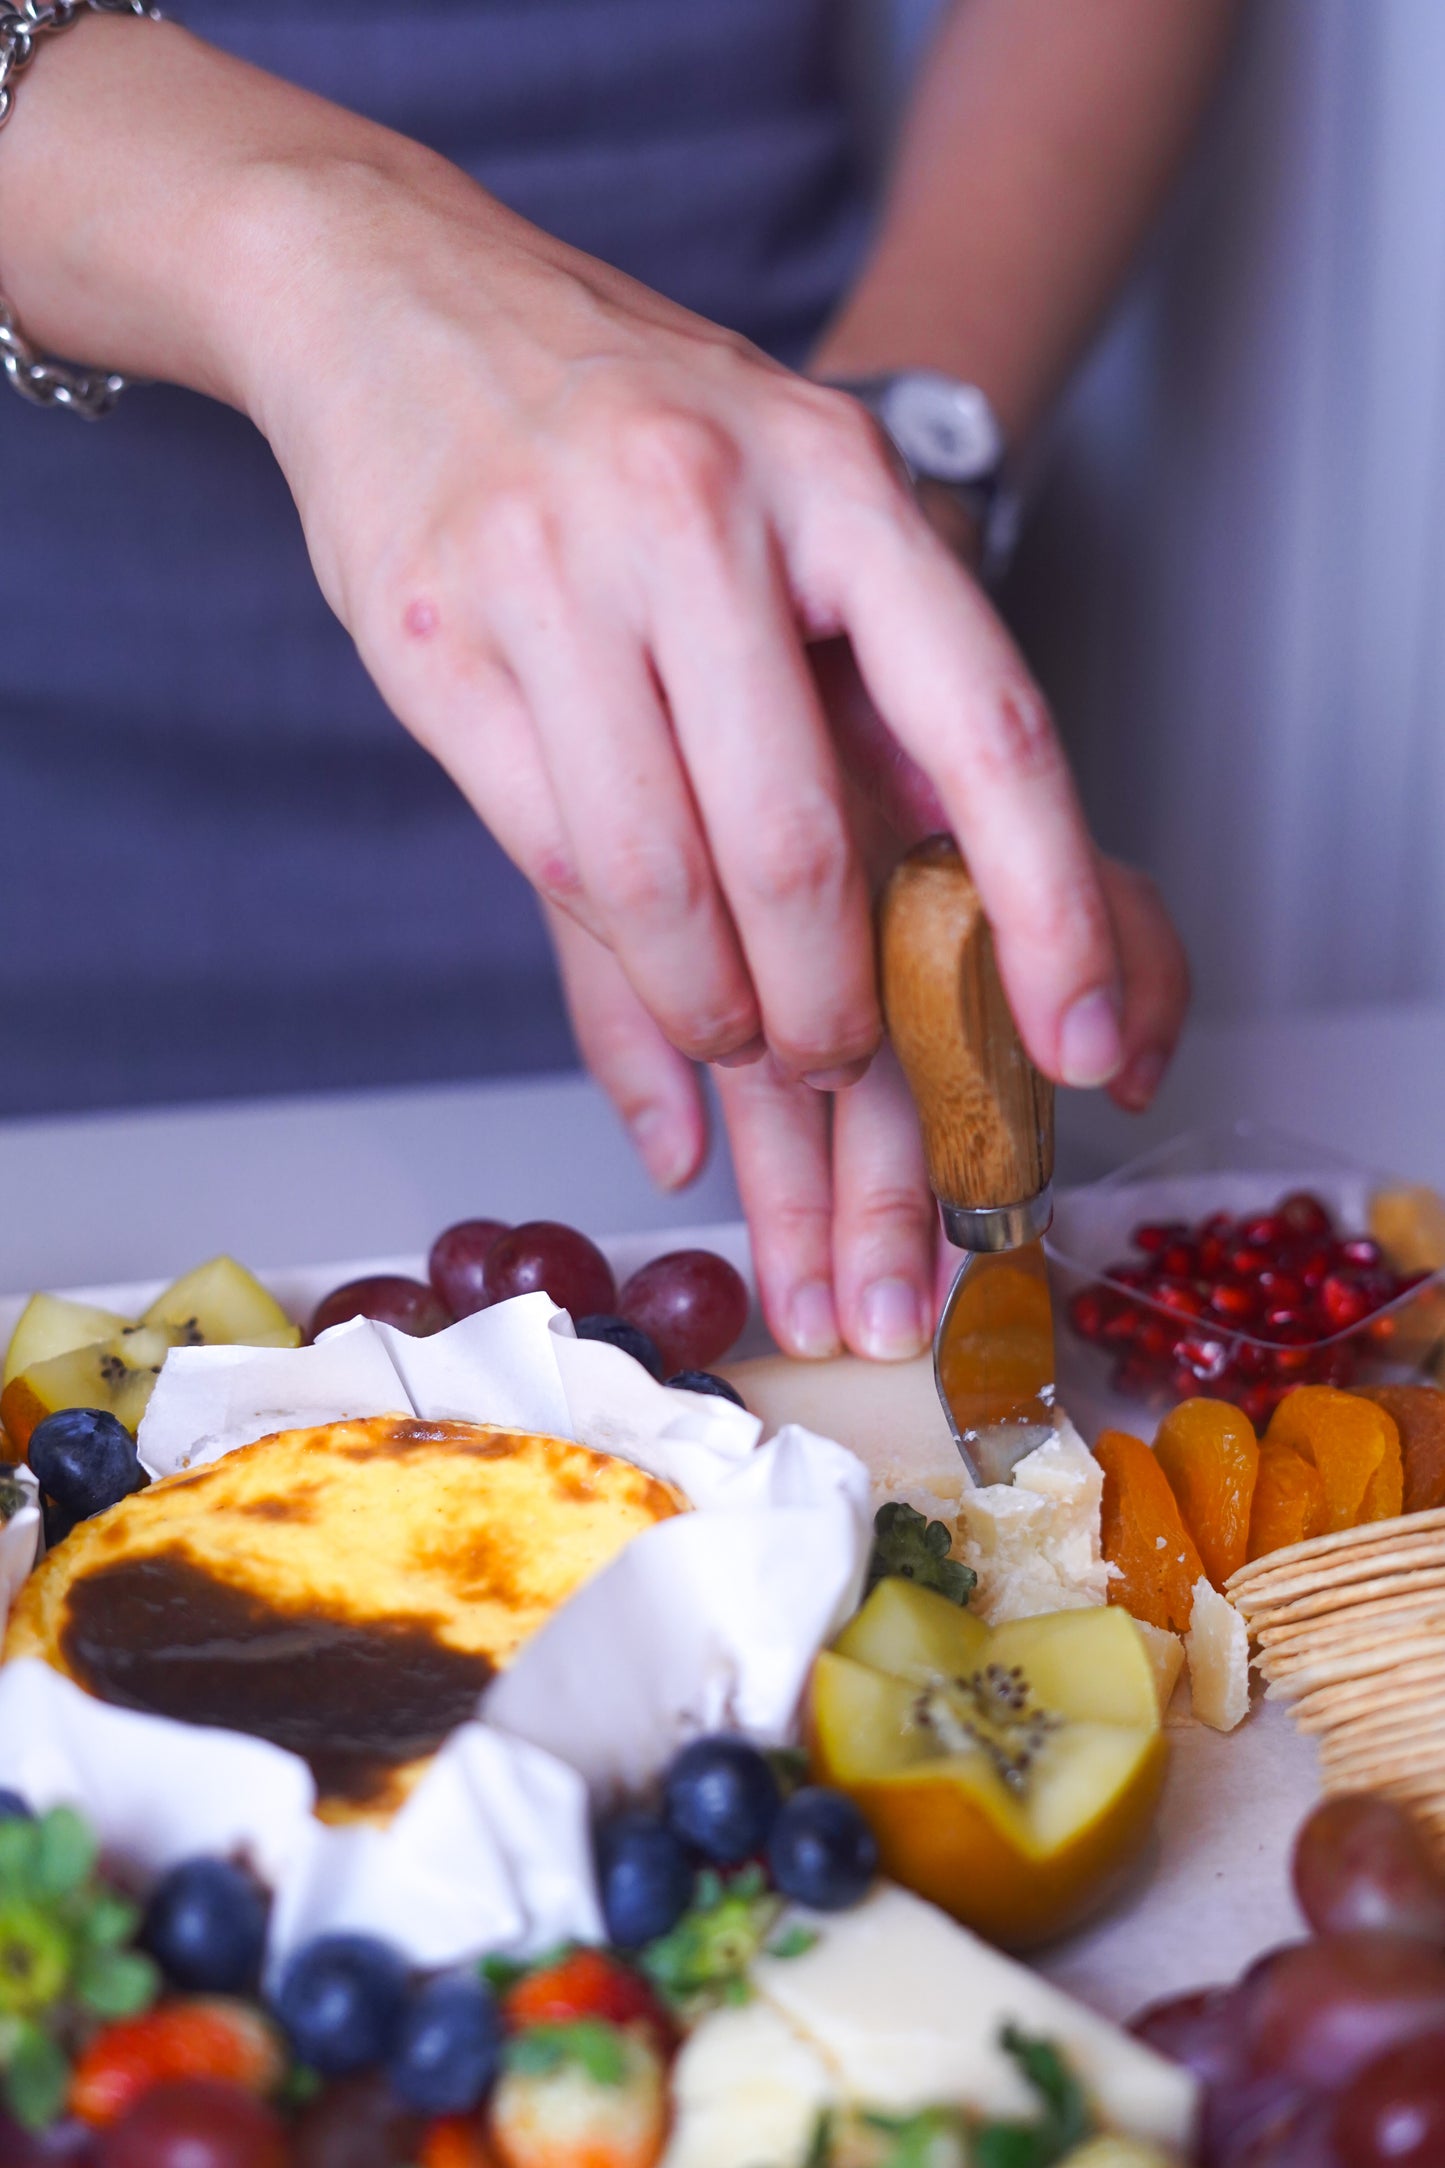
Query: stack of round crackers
[{"x": 1350, "y": 1629}]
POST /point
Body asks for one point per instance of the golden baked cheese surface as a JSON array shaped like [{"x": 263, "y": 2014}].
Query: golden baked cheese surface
[{"x": 345, "y": 1591}]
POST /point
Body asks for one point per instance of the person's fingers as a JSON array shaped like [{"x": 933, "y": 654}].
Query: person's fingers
[
  {"x": 884, "y": 1217},
  {"x": 653, "y": 1088},
  {"x": 779, "y": 1133},
  {"x": 751, "y": 730},
  {"x": 952, "y": 688},
  {"x": 624, "y": 800},
  {"x": 1156, "y": 983},
  {"x": 464, "y": 705}
]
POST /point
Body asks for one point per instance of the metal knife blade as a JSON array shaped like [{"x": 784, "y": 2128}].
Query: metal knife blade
[
  {"x": 993, "y": 1358},
  {"x": 988, "y": 1131}
]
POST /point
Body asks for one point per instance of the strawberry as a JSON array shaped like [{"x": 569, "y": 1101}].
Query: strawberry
[
  {"x": 584, "y": 2094},
  {"x": 213, "y": 2038},
  {"x": 588, "y": 1983},
  {"x": 455, "y": 2141}
]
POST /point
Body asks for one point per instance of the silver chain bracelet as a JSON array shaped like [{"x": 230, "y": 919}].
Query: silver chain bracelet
[{"x": 46, "y": 382}]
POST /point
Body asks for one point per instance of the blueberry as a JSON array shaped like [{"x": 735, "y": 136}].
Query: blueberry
[
  {"x": 449, "y": 2047},
  {"x": 13, "y": 1808},
  {"x": 85, "y": 1460},
  {"x": 721, "y": 1796},
  {"x": 631, "y": 1339},
  {"x": 644, "y": 1875},
  {"x": 341, "y": 2000},
  {"x": 707, "y": 1381},
  {"x": 821, "y": 1852},
  {"x": 205, "y": 1926}
]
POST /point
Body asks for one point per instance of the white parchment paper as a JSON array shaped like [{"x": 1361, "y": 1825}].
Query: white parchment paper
[{"x": 711, "y": 1618}]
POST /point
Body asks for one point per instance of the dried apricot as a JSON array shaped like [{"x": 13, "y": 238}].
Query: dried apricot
[
  {"x": 1210, "y": 1455},
  {"x": 1418, "y": 1412},
  {"x": 1289, "y": 1500},
  {"x": 1343, "y": 1436},
  {"x": 1145, "y": 1536}
]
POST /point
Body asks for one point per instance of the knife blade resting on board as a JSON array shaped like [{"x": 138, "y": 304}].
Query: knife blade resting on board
[{"x": 988, "y": 1131}]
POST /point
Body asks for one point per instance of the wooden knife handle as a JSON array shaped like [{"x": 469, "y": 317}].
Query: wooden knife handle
[{"x": 988, "y": 1116}]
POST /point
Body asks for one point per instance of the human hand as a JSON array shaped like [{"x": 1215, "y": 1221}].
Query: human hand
[
  {"x": 844, "y": 1229},
  {"x": 583, "y": 541}
]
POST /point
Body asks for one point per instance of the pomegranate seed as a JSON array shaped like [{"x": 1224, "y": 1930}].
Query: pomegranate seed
[
  {"x": 1291, "y": 1362},
  {"x": 1259, "y": 1402},
  {"x": 1212, "y": 1253},
  {"x": 1179, "y": 1261},
  {"x": 1154, "y": 1236},
  {"x": 1088, "y": 1311},
  {"x": 1251, "y": 1361},
  {"x": 1360, "y": 1250},
  {"x": 1285, "y": 1290},
  {"x": 1265, "y": 1233},
  {"x": 1283, "y": 1322},
  {"x": 1315, "y": 1264},
  {"x": 1248, "y": 1260},
  {"x": 1136, "y": 1276},
  {"x": 1337, "y": 1365},
  {"x": 1177, "y": 1296},
  {"x": 1303, "y": 1214},
  {"x": 1346, "y": 1300},
  {"x": 1123, "y": 1324},
  {"x": 1218, "y": 1224},
  {"x": 1155, "y": 1338},
  {"x": 1232, "y": 1300},
  {"x": 1205, "y": 1359}
]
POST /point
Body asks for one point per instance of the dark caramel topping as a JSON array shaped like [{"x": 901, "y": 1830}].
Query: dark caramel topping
[{"x": 354, "y": 1698}]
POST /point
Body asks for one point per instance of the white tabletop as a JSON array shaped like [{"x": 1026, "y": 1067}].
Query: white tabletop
[{"x": 281, "y": 1182}]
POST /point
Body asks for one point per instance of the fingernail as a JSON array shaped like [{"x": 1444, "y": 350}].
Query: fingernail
[
  {"x": 744, "y": 1056},
  {"x": 1142, "y": 1079},
  {"x": 1090, "y": 1045},
  {"x": 892, "y": 1319},
  {"x": 836, "y": 1080},
  {"x": 813, "y": 1321},
  {"x": 662, "y": 1147}
]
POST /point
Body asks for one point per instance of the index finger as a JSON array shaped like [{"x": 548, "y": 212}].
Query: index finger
[{"x": 951, "y": 685}]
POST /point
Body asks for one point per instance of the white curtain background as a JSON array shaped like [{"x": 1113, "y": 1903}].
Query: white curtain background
[{"x": 1233, "y": 581}]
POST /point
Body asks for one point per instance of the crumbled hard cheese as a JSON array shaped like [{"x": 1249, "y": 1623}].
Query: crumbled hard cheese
[
  {"x": 1165, "y": 1652},
  {"x": 1035, "y": 1542},
  {"x": 1218, "y": 1646},
  {"x": 886, "y": 1413}
]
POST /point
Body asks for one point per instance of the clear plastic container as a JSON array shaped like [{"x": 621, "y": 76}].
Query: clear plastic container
[{"x": 1121, "y": 1348}]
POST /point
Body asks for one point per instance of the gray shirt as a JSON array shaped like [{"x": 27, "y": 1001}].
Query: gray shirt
[{"x": 224, "y": 868}]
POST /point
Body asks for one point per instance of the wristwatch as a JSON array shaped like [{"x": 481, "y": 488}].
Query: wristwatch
[{"x": 950, "y": 440}]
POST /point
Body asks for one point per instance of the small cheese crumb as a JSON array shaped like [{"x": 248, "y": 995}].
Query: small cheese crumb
[
  {"x": 1218, "y": 1647},
  {"x": 1035, "y": 1542}
]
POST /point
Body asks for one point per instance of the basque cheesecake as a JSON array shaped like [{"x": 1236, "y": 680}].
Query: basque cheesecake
[{"x": 345, "y": 1592}]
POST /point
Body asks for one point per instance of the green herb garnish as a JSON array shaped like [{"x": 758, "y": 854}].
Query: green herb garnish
[
  {"x": 1066, "y": 2120},
  {"x": 914, "y": 1548},
  {"x": 63, "y": 1957}
]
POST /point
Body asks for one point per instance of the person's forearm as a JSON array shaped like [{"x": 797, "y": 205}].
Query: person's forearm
[
  {"x": 1039, "y": 142},
  {"x": 156, "y": 200}
]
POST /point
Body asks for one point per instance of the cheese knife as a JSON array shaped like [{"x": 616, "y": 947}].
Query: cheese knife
[{"x": 988, "y": 1131}]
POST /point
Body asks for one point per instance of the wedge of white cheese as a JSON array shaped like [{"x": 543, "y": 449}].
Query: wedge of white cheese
[
  {"x": 1035, "y": 1542},
  {"x": 896, "y": 2007},
  {"x": 886, "y": 1413},
  {"x": 1218, "y": 1648}
]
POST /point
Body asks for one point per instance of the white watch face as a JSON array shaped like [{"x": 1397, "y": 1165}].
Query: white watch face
[{"x": 944, "y": 429}]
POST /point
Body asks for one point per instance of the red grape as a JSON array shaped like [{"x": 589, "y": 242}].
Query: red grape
[
  {"x": 456, "y": 1266},
  {"x": 195, "y": 2123},
  {"x": 62, "y": 2145},
  {"x": 357, "y": 2123},
  {"x": 1359, "y": 1861},
  {"x": 1320, "y": 2011},
  {"x": 545, "y": 1255},
  {"x": 1394, "y": 2110},
  {"x": 692, "y": 1303},
  {"x": 1199, "y": 2030},
  {"x": 389, "y": 1299}
]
